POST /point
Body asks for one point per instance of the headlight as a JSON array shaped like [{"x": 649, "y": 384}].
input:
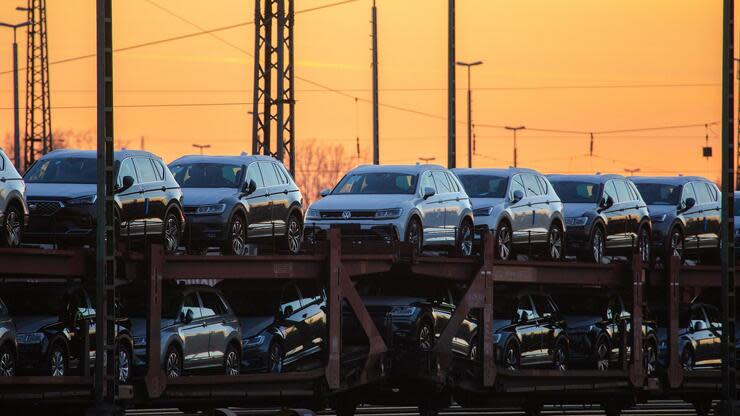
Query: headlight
[
  {"x": 482, "y": 212},
  {"x": 496, "y": 338},
  {"x": 139, "y": 341},
  {"x": 33, "y": 338},
  {"x": 388, "y": 213},
  {"x": 403, "y": 311},
  {"x": 313, "y": 214},
  {"x": 658, "y": 218},
  {"x": 576, "y": 221},
  {"x": 211, "y": 209},
  {"x": 254, "y": 341},
  {"x": 83, "y": 200}
]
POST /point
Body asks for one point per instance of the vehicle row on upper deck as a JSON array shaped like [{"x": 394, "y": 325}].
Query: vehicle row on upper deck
[{"x": 232, "y": 202}]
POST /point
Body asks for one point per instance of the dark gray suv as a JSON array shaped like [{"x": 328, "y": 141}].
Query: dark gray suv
[{"x": 231, "y": 200}]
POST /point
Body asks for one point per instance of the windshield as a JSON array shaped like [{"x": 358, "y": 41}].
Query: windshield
[
  {"x": 576, "y": 192},
  {"x": 659, "y": 193},
  {"x": 261, "y": 299},
  {"x": 63, "y": 170},
  {"x": 377, "y": 183},
  {"x": 584, "y": 304},
  {"x": 389, "y": 287},
  {"x": 207, "y": 175},
  {"x": 133, "y": 302},
  {"x": 484, "y": 186},
  {"x": 35, "y": 300}
]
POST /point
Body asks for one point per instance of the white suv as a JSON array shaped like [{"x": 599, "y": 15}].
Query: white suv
[{"x": 13, "y": 207}]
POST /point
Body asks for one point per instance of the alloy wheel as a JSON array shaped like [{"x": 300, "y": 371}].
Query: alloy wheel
[
  {"x": 425, "y": 337},
  {"x": 13, "y": 228},
  {"x": 232, "y": 363},
  {"x": 473, "y": 355},
  {"x": 560, "y": 357},
  {"x": 602, "y": 356},
  {"x": 7, "y": 363},
  {"x": 651, "y": 359},
  {"x": 413, "y": 235},
  {"x": 295, "y": 235},
  {"x": 58, "y": 363},
  {"x": 172, "y": 366},
  {"x": 511, "y": 358},
  {"x": 171, "y": 234},
  {"x": 643, "y": 241},
  {"x": 677, "y": 244},
  {"x": 238, "y": 236},
  {"x": 504, "y": 243},
  {"x": 597, "y": 245},
  {"x": 555, "y": 243},
  {"x": 276, "y": 358},
  {"x": 687, "y": 360},
  {"x": 466, "y": 239},
  {"x": 124, "y": 365}
]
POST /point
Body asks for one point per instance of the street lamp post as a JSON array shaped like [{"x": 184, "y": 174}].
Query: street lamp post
[
  {"x": 631, "y": 172},
  {"x": 201, "y": 147},
  {"x": 16, "y": 128},
  {"x": 426, "y": 160},
  {"x": 515, "y": 129},
  {"x": 470, "y": 122}
]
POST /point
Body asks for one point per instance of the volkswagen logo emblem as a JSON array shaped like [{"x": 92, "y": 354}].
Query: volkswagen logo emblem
[{"x": 346, "y": 215}]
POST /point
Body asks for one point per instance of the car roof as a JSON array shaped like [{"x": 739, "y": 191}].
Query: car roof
[
  {"x": 668, "y": 180},
  {"x": 232, "y": 160},
  {"x": 510, "y": 171},
  {"x": 411, "y": 169},
  {"x": 600, "y": 178},
  {"x": 118, "y": 154}
]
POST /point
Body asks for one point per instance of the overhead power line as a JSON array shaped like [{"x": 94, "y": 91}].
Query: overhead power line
[{"x": 151, "y": 105}]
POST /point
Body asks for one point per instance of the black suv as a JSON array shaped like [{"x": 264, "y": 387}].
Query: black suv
[
  {"x": 231, "y": 200},
  {"x": 530, "y": 332},
  {"x": 8, "y": 345},
  {"x": 61, "y": 190},
  {"x": 686, "y": 212},
  {"x": 604, "y": 214},
  {"x": 597, "y": 322},
  {"x": 50, "y": 318},
  {"x": 283, "y": 323}
]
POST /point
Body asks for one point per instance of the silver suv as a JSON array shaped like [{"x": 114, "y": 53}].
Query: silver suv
[
  {"x": 13, "y": 207},
  {"x": 520, "y": 205},
  {"x": 424, "y": 205}
]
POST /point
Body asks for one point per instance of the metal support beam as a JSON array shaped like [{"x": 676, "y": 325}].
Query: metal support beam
[
  {"x": 675, "y": 371},
  {"x": 38, "y": 140},
  {"x": 376, "y": 137},
  {"x": 637, "y": 369},
  {"x": 451, "y": 120}
]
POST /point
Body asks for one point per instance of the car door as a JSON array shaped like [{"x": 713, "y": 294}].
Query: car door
[
  {"x": 442, "y": 307},
  {"x": 521, "y": 211},
  {"x": 274, "y": 194},
  {"x": 447, "y": 205},
  {"x": 130, "y": 200},
  {"x": 714, "y": 331},
  {"x": 707, "y": 237},
  {"x": 527, "y": 331},
  {"x": 616, "y": 224},
  {"x": 291, "y": 321},
  {"x": 260, "y": 213},
  {"x": 432, "y": 210},
  {"x": 195, "y": 336},
  {"x": 149, "y": 191},
  {"x": 693, "y": 217},
  {"x": 546, "y": 326},
  {"x": 630, "y": 212},
  {"x": 80, "y": 314},
  {"x": 313, "y": 315},
  {"x": 458, "y": 197},
  {"x": 213, "y": 312},
  {"x": 537, "y": 202},
  {"x": 551, "y": 202},
  {"x": 713, "y": 212}
]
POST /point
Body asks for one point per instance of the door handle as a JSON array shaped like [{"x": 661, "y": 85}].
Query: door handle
[
  {"x": 2, "y": 179},
  {"x": 305, "y": 315},
  {"x": 203, "y": 324},
  {"x": 285, "y": 192},
  {"x": 164, "y": 188}
]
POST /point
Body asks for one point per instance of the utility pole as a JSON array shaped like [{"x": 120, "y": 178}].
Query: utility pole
[
  {"x": 142, "y": 143},
  {"x": 201, "y": 147},
  {"x": 376, "y": 137},
  {"x": 426, "y": 160},
  {"x": 451, "y": 139},
  {"x": 727, "y": 255},
  {"x": 16, "y": 122},
  {"x": 631, "y": 172},
  {"x": 470, "y": 118},
  {"x": 515, "y": 129}
]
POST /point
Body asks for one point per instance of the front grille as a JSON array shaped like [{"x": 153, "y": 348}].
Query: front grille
[
  {"x": 352, "y": 214},
  {"x": 44, "y": 207}
]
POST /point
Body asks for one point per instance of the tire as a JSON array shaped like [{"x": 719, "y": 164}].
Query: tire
[
  {"x": 555, "y": 242},
  {"x": 464, "y": 239},
  {"x": 687, "y": 359},
  {"x": 275, "y": 358},
  {"x": 512, "y": 358},
  {"x": 123, "y": 364},
  {"x": 675, "y": 245},
  {"x": 57, "y": 361},
  {"x": 650, "y": 356},
  {"x": 173, "y": 362},
  {"x": 602, "y": 354},
  {"x": 702, "y": 407},
  {"x": 345, "y": 405},
  {"x": 415, "y": 235},
  {"x": 560, "y": 356},
  {"x": 232, "y": 361},
  {"x": 12, "y": 227},
  {"x": 473, "y": 351},
  {"x": 504, "y": 242},
  {"x": 293, "y": 235},
  {"x": 171, "y": 231},
  {"x": 596, "y": 246},
  {"x": 425, "y": 336},
  {"x": 427, "y": 409},
  {"x": 236, "y": 240},
  {"x": 7, "y": 362},
  {"x": 643, "y": 245},
  {"x": 532, "y": 408}
]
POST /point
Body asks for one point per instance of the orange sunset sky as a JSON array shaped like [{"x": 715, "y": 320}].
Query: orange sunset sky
[{"x": 579, "y": 65}]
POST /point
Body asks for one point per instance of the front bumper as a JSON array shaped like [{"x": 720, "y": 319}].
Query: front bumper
[
  {"x": 389, "y": 231},
  {"x": 577, "y": 238},
  {"x": 32, "y": 357},
  {"x": 67, "y": 224},
  {"x": 202, "y": 229}
]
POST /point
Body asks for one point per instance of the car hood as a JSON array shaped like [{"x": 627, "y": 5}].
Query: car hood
[
  {"x": 662, "y": 333},
  {"x": 59, "y": 190},
  {"x": 138, "y": 326},
  {"x": 29, "y": 324},
  {"x": 661, "y": 209},
  {"x": 206, "y": 196},
  {"x": 391, "y": 301},
  {"x": 486, "y": 202},
  {"x": 252, "y": 326},
  {"x": 581, "y": 322},
  {"x": 501, "y": 325},
  {"x": 579, "y": 209},
  {"x": 364, "y": 202}
]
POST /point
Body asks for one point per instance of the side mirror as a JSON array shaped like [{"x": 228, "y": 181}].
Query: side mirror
[
  {"x": 187, "y": 317},
  {"x": 524, "y": 317},
  {"x": 287, "y": 311},
  {"x": 250, "y": 187},
  {"x": 126, "y": 183},
  {"x": 517, "y": 196},
  {"x": 429, "y": 192},
  {"x": 324, "y": 192},
  {"x": 698, "y": 326},
  {"x": 689, "y": 203},
  {"x": 607, "y": 202}
]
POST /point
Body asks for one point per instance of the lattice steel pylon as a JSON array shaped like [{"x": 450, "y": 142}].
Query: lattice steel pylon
[
  {"x": 274, "y": 102},
  {"x": 38, "y": 140}
]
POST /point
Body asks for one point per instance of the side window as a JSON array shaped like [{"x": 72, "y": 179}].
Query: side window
[
  {"x": 524, "y": 304},
  {"x": 517, "y": 184},
  {"x": 268, "y": 174},
  {"x": 290, "y": 300},
  {"x": 443, "y": 184},
  {"x": 280, "y": 175},
  {"x": 309, "y": 291},
  {"x": 622, "y": 192},
  {"x": 453, "y": 183},
  {"x": 702, "y": 193},
  {"x": 610, "y": 191},
  {"x": 713, "y": 192},
  {"x": 158, "y": 169},
  {"x": 543, "y": 306},
  {"x": 2, "y": 162},
  {"x": 688, "y": 192},
  {"x": 543, "y": 185},
  {"x": 145, "y": 170},
  {"x": 211, "y": 304},
  {"x": 427, "y": 182},
  {"x": 3, "y": 309},
  {"x": 713, "y": 315},
  {"x": 633, "y": 190},
  {"x": 190, "y": 303},
  {"x": 126, "y": 169},
  {"x": 254, "y": 174},
  {"x": 531, "y": 185}
]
